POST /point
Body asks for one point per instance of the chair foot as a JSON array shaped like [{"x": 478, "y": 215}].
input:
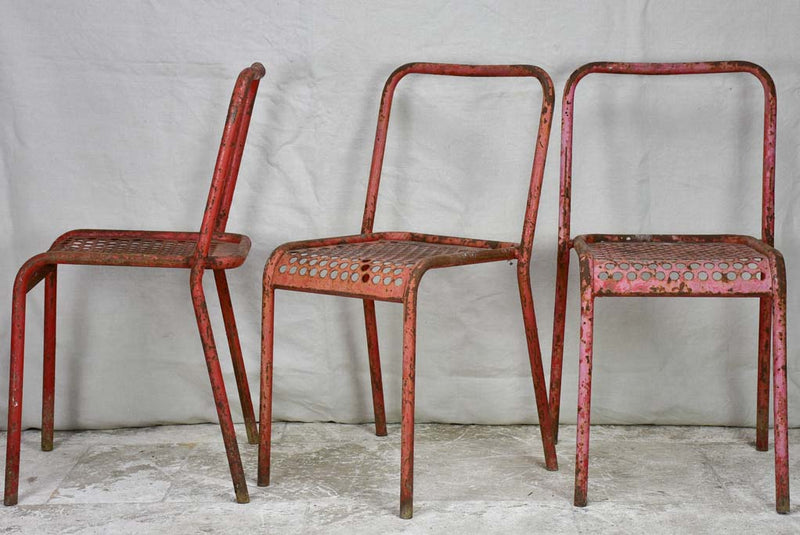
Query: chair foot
[
  {"x": 406, "y": 510},
  {"x": 782, "y": 506}
]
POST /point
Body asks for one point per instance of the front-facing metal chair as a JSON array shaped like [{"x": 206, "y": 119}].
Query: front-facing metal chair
[
  {"x": 212, "y": 248},
  {"x": 676, "y": 266},
  {"x": 388, "y": 266}
]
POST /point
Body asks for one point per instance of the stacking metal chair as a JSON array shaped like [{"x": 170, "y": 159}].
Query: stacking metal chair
[
  {"x": 211, "y": 248},
  {"x": 676, "y": 266},
  {"x": 388, "y": 266}
]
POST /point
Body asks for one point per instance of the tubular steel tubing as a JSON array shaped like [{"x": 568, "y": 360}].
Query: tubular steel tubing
[
  {"x": 230, "y": 251},
  {"x": 406, "y": 290},
  {"x": 504, "y": 71},
  {"x": 770, "y": 288}
]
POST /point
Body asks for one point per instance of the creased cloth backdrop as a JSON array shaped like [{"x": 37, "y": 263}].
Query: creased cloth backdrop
[{"x": 110, "y": 117}]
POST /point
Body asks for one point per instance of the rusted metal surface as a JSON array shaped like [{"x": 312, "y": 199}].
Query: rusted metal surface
[
  {"x": 211, "y": 248},
  {"x": 375, "y": 367},
  {"x": 388, "y": 266},
  {"x": 676, "y": 266}
]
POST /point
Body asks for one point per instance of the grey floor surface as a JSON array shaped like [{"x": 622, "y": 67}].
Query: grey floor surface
[{"x": 330, "y": 478}]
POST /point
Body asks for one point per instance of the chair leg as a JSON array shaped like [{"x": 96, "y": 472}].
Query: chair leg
[
  {"x": 49, "y": 367},
  {"x": 375, "y": 367},
  {"x": 15, "y": 391},
  {"x": 584, "y": 396},
  {"x": 780, "y": 416},
  {"x": 407, "y": 416},
  {"x": 218, "y": 386},
  {"x": 236, "y": 355},
  {"x": 557, "y": 353},
  {"x": 537, "y": 373},
  {"x": 762, "y": 395},
  {"x": 265, "y": 409}
]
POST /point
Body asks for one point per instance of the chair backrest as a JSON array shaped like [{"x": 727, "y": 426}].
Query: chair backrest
[
  {"x": 226, "y": 169},
  {"x": 540, "y": 150},
  {"x": 770, "y": 106}
]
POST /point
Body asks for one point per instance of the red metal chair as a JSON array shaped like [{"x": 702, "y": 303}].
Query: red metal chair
[
  {"x": 388, "y": 266},
  {"x": 676, "y": 266},
  {"x": 211, "y": 248}
]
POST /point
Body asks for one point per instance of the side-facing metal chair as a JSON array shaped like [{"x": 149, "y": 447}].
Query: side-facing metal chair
[
  {"x": 676, "y": 266},
  {"x": 388, "y": 266},
  {"x": 211, "y": 248}
]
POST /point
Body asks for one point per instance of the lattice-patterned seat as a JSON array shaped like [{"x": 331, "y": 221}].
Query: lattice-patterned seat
[
  {"x": 389, "y": 266},
  {"x": 640, "y": 266},
  {"x": 148, "y": 249},
  {"x": 676, "y": 266},
  {"x": 211, "y": 248}
]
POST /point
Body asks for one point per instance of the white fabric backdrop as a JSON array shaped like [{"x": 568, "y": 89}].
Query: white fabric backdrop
[{"x": 110, "y": 115}]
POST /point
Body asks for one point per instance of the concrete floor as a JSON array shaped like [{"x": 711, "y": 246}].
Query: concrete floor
[{"x": 330, "y": 478}]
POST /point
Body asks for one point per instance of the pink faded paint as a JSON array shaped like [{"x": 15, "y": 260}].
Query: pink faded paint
[
  {"x": 211, "y": 248},
  {"x": 388, "y": 266},
  {"x": 679, "y": 266}
]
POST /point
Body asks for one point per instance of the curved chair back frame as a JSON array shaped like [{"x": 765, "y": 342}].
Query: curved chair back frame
[
  {"x": 229, "y": 157},
  {"x": 656, "y": 69},
  {"x": 542, "y": 137}
]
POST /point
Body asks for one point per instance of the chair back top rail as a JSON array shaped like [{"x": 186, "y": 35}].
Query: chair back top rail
[
  {"x": 446, "y": 69},
  {"x": 655, "y": 69},
  {"x": 229, "y": 157}
]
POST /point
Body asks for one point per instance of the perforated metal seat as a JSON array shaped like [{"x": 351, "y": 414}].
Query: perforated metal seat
[
  {"x": 379, "y": 268},
  {"x": 647, "y": 265},
  {"x": 676, "y": 266},
  {"x": 148, "y": 249},
  {"x": 211, "y": 248},
  {"x": 389, "y": 266}
]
